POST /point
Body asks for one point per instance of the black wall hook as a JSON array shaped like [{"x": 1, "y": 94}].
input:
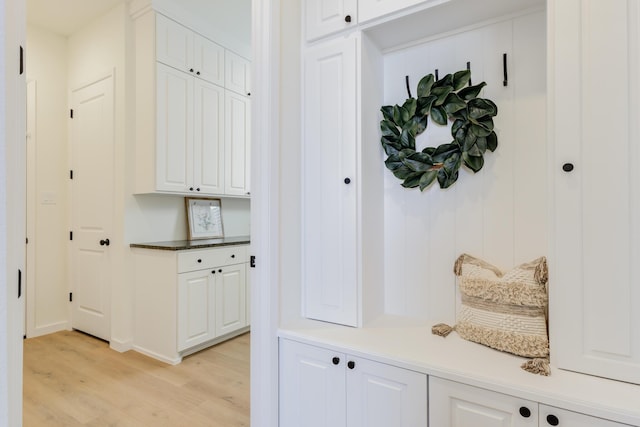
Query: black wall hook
[
  {"x": 437, "y": 77},
  {"x": 505, "y": 80},
  {"x": 406, "y": 80}
]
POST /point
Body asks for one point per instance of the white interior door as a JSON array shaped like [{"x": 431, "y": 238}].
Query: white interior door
[{"x": 92, "y": 140}]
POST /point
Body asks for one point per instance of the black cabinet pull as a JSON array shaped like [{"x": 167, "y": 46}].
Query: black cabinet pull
[
  {"x": 567, "y": 167},
  {"x": 351, "y": 364},
  {"x": 347, "y": 19},
  {"x": 335, "y": 360},
  {"x": 213, "y": 272},
  {"x": 198, "y": 189},
  {"x": 347, "y": 180},
  {"x": 199, "y": 260},
  {"x": 525, "y": 412},
  {"x": 198, "y": 72},
  {"x": 190, "y": 188},
  {"x": 220, "y": 271},
  {"x": 233, "y": 255},
  {"x": 552, "y": 420},
  {"x": 191, "y": 70},
  {"x": 104, "y": 242}
]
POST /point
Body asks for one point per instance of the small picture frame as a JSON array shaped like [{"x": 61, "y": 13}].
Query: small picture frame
[{"x": 204, "y": 218}]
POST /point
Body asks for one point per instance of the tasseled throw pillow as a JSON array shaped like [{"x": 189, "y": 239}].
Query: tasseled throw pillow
[{"x": 504, "y": 310}]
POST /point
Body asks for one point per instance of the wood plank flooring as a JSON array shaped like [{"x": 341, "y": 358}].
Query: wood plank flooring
[{"x": 72, "y": 379}]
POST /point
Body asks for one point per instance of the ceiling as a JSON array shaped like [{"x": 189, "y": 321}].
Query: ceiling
[{"x": 66, "y": 16}]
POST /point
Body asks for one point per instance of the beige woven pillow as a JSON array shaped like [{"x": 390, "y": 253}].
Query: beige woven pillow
[{"x": 503, "y": 310}]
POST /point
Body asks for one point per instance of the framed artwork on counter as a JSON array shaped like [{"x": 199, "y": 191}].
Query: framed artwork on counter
[{"x": 204, "y": 218}]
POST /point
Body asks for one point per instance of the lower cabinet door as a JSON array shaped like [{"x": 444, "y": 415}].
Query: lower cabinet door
[
  {"x": 550, "y": 416},
  {"x": 453, "y": 404},
  {"x": 380, "y": 395},
  {"x": 312, "y": 386},
  {"x": 196, "y": 301},
  {"x": 231, "y": 299}
]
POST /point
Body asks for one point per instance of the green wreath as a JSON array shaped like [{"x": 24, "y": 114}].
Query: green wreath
[{"x": 442, "y": 100}]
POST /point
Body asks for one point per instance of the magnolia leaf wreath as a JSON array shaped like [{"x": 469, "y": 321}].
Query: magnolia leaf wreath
[{"x": 442, "y": 100}]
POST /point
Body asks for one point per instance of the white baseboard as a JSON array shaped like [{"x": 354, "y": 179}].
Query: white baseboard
[
  {"x": 48, "y": 329},
  {"x": 157, "y": 356},
  {"x": 121, "y": 346}
]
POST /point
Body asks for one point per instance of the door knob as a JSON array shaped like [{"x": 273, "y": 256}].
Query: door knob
[
  {"x": 567, "y": 167},
  {"x": 104, "y": 242},
  {"x": 347, "y": 19},
  {"x": 347, "y": 180},
  {"x": 351, "y": 364}
]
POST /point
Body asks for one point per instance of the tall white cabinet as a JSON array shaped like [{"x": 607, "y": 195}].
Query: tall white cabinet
[
  {"x": 192, "y": 112},
  {"x": 594, "y": 270}
]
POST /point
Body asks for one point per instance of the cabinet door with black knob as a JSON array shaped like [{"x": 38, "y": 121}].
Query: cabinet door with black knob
[
  {"x": 550, "y": 416},
  {"x": 459, "y": 405}
]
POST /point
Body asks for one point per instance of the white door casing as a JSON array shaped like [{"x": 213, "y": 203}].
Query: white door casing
[{"x": 92, "y": 196}]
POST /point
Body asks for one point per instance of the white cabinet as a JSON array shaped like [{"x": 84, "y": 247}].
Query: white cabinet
[
  {"x": 595, "y": 307},
  {"x": 323, "y": 17},
  {"x": 237, "y": 73},
  {"x": 324, "y": 388},
  {"x": 192, "y": 132},
  {"x": 196, "y": 303},
  {"x": 459, "y": 405},
  {"x": 550, "y": 416},
  {"x": 181, "y": 48},
  {"x": 237, "y": 145},
  {"x": 330, "y": 182},
  {"x": 189, "y": 299},
  {"x": 231, "y": 299}
]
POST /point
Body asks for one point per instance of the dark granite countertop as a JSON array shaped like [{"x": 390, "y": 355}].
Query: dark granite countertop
[{"x": 181, "y": 245}]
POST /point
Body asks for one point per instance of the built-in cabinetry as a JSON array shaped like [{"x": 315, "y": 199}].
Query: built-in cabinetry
[
  {"x": 192, "y": 112},
  {"x": 593, "y": 220},
  {"x": 595, "y": 307},
  {"x": 325, "y": 388},
  {"x": 459, "y": 405},
  {"x": 186, "y": 300}
]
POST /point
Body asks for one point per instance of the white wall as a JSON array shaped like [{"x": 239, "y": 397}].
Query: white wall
[
  {"x": 500, "y": 212},
  {"x": 48, "y": 225}
]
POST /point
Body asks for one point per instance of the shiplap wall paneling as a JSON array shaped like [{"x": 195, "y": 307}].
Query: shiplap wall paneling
[{"x": 498, "y": 213}]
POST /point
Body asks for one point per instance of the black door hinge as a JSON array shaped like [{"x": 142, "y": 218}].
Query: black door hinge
[
  {"x": 19, "y": 283},
  {"x": 71, "y": 113},
  {"x": 71, "y": 235},
  {"x": 71, "y": 174},
  {"x": 70, "y": 296},
  {"x": 27, "y": 240},
  {"x": 252, "y": 261},
  {"x": 21, "y": 60}
]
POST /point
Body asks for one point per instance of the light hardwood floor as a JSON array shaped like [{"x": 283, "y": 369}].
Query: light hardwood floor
[{"x": 71, "y": 379}]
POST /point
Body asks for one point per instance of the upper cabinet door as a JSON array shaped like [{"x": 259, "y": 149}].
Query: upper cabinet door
[
  {"x": 237, "y": 145},
  {"x": 323, "y": 17},
  {"x": 208, "y": 60},
  {"x": 208, "y": 138},
  {"x": 237, "y": 74},
  {"x": 174, "y": 44},
  {"x": 595, "y": 275}
]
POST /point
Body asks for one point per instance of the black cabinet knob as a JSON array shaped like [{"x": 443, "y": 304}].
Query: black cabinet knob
[
  {"x": 552, "y": 420},
  {"x": 104, "y": 242},
  {"x": 248, "y": 93},
  {"x": 335, "y": 360},
  {"x": 190, "y": 188},
  {"x": 198, "y": 189},
  {"x": 191, "y": 70},
  {"x": 347, "y": 180},
  {"x": 351, "y": 364},
  {"x": 199, "y": 261},
  {"x": 347, "y": 18},
  {"x": 567, "y": 167},
  {"x": 233, "y": 256},
  {"x": 219, "y": 270},
  {"x": 213, "y": 272},
  {"x": 525, "y": 412},
  {"x": 198, "y": 72}
]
